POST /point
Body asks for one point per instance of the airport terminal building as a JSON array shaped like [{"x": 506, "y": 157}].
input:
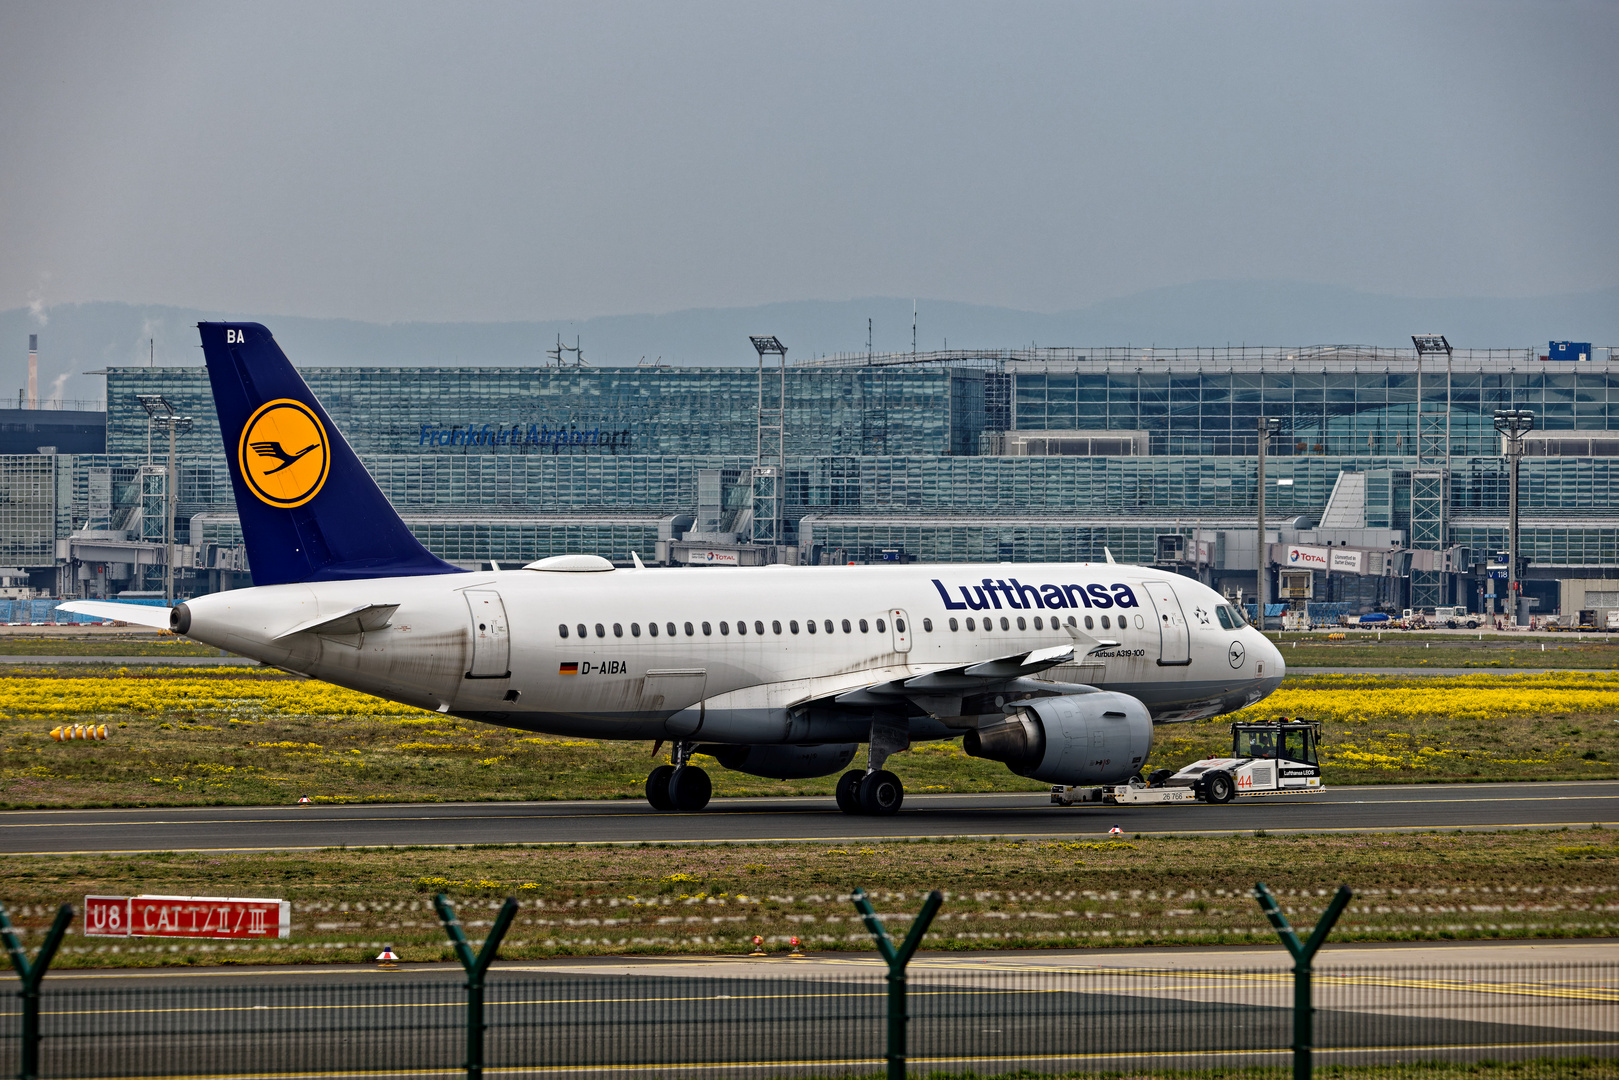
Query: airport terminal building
[{"x": 1386, "y": 482}]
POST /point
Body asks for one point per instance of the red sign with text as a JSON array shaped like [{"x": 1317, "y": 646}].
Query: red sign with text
[{"x": 186, "y": 916}]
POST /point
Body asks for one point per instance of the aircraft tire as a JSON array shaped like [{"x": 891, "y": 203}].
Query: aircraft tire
[
  {"x": 689, "y": 788},
  {"x": 1219, "y": 787},
  {"x": 848, "y": 791},
  {"x": 881, "y": 793},
  {"x": 657, "y": 787}
]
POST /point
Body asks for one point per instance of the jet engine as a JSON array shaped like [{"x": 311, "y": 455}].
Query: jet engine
[
  {"x": 1075, "y": 739},
  {"x": 783, "y": 762}
]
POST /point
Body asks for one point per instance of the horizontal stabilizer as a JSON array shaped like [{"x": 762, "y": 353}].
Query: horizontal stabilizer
[
  {"x": 139, "y": 614},
  {"x": 357, "y": 620}
]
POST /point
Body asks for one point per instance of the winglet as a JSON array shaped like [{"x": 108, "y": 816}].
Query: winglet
[
  {"x": 1109, "y": 555},
  {"x": 639, "y": 565}
]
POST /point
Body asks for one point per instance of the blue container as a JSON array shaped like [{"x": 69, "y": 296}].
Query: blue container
[{"x": 1569, "y": 350}]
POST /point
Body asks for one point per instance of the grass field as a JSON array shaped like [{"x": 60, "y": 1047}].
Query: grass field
[
  {"x": 1399, "y": 649},
  {"x": 580, "y": 900},
  {"x": 183, "y": 736},
  {"x": 90, "y": 645}
]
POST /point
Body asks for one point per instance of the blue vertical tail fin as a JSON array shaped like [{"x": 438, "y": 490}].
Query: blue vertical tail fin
[{"x": 309, "y": 510}]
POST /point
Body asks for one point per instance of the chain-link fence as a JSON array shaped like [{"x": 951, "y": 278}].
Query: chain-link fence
[{"x": 791, "y": 1018}]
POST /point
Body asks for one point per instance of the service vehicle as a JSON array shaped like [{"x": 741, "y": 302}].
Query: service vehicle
[{"x": 1275, "y": 758}]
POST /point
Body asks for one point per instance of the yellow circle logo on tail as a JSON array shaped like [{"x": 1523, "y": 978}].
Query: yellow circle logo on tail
[{"x": 283, "y": 453}]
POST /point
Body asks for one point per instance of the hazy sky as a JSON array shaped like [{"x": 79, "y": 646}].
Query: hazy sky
[{"x": 457, "y": 161}]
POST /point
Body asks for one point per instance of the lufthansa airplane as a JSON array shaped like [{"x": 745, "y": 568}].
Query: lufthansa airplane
[{"x": 1058, "y": 670}]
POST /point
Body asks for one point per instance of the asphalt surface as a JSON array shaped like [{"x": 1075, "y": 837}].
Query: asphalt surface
[
  {"x": 1345, "y": 809},
  {"x": 740, "y": 1017}
]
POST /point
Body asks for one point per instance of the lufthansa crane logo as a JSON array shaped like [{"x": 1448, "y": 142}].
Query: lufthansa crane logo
[
  {"x": 283, "y": 454},
  {"x": 1236, "y": 654}
]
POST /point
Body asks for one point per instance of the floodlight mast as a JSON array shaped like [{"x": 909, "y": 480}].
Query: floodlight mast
[
  {"x": 1432, "y": 345},
  {"x": 1514, "y": 424},
  {"x": 770, "y": 449}
]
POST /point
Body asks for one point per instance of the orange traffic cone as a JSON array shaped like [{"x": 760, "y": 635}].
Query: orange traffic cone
[{"x": 386, "y": 960}]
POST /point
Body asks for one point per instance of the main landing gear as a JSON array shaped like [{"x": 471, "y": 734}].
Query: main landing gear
[
  {"x": 681, "y": 786},
  {"x": 876, "y": 791}
]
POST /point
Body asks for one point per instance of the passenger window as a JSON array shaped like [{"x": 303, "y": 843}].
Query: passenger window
[
  {"x": 562, "y": 631},
  {"x": 601, "y": 631},
  {"x": 1037, "y": 624},
  {"x": 864, "y": 627},
  {"x": 581, "y": 629},
  {"x": 882, "y": 627},
  {"x": 708, "y": 630},
  {"x": 899, "y": 624},
  {"x": 689, "y": 630},
  {"x": 775, "y": 626},
  {"x": 989, "y": 624},
  {"x": 927, "y": 624},
  {"x": 670, "y": 628},
  {"x": 635, "y": 629},
  {"x": 1072, "y": 621},
  {"x": 953, "y": 626},
  {"x": 1021, "y": 625},
  {"x": 725, "y": 628},
  {"x": 1139, "y": 624},
  {"x": 828, "y": 625},
  {"x": 1224, "y": 616},
  {"x": 742, "y": 626},
  {"x": 759, "y": 627},
  {"x": 847, "y": 629},
  {"x": 809, "y": 624},
  {"x": 1105, "y": 625},
  {"x": 618, "y": 629},
  {"x": 970, "y": 625},
  {"x": 652, "y": 628},
  {"x": 1004, "y": 624},
  {"x": 792, "y": 624},
  {"x": 1089, "y": 625}
]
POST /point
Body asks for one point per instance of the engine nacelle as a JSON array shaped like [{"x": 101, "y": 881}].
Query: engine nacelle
[
  {"x": 783, "y": 762},
  {"x": 1100, "y": 738}
]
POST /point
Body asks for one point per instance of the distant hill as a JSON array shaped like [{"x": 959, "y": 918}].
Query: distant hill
[{"x": 79, "y": 338}]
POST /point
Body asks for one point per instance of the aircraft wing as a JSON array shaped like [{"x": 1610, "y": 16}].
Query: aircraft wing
[
  {"x": 139, "y": 614},
  {"x": 940, "y": 693}
]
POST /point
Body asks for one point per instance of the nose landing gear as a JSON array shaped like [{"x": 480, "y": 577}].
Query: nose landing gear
[{"x": 680, "y": 786}]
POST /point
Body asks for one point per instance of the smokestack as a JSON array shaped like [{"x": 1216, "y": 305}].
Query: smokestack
[{"x": 33, "y": 371}]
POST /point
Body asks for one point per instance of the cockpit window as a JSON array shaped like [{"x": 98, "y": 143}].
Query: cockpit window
[
  {"x": 1237, "y": 616},
  {"x": 1225, "y": 617}
]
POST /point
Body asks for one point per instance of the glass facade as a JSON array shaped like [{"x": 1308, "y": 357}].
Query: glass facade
[{"x": 512, "y": 464}]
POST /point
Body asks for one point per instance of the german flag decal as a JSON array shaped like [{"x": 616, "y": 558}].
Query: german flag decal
[{"x": 569, "y": 668}]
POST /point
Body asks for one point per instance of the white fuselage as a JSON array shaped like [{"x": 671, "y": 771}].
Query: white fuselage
[{"x": 727, "y": 655}]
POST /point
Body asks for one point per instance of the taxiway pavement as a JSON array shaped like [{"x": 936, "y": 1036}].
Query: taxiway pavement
[{"x": 1019, "y": 814}]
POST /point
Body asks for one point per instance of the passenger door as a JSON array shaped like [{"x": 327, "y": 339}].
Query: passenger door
[
  {"x": 1174, "y": 636},
  {"x": 491, "y": 641}
]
